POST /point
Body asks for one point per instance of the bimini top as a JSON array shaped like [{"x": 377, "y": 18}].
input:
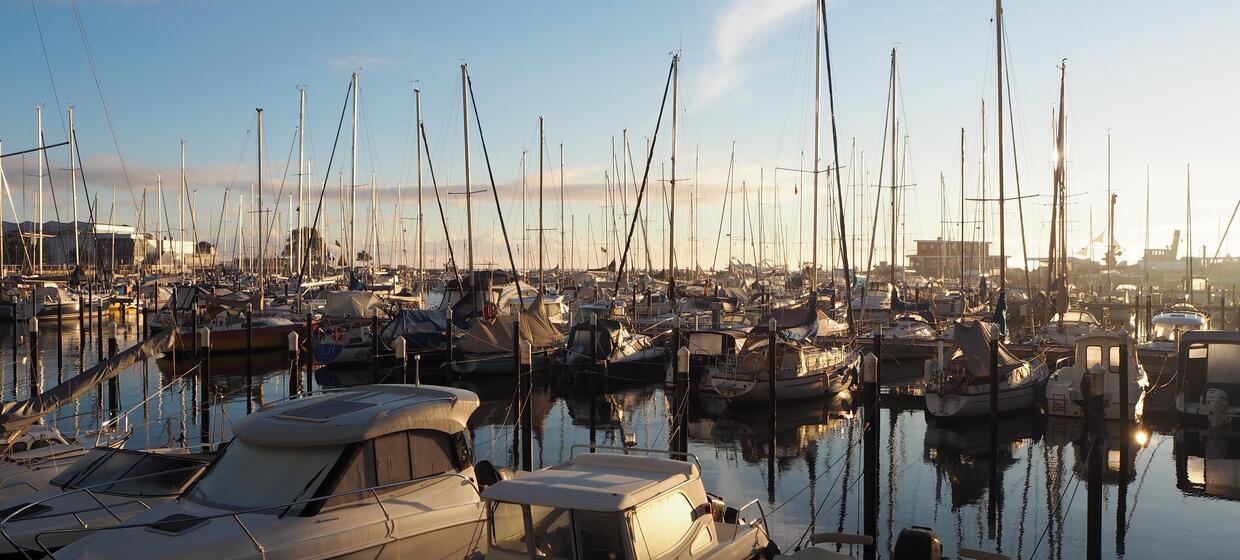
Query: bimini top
[
  {"x": 357, "y": 414},
  {"x": 605, "y": 482}
]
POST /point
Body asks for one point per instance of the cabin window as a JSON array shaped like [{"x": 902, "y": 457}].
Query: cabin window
[
  {"x": 19, "y": 447},
  {"x": 508, "y": 527},
  {"x": 1223, "y": 367},
  {"x": 358, "y": 475},
  {"x": 431, "y": 453},
  {"x": 599, "y": 536},
  {"x": 1093, "y": 356},
  {"x": 1114, "y": 361},
  {"x": 553, "y": 532},
  {"x": 661, "y": 524},
  {"x": 392, "y": 459},
  {"x": 288, "y": 474}
]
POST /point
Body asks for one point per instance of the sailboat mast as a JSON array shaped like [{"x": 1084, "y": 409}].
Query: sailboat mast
[
  {"x": 417, "y": 104},
  {"x": 181, "y": 212},
  {"x": 818, "y": 49},
  {"x": 563, "y": 265},
  {"x": 302, "y": 236},
  {"x": 962, "y": 157},
  {"x": 1188, "y": 233},
  {"x": 262, "y": 268},
  {"x": 39, "y": 113},
  {"x": 999, "y": 119},
  {"x": 77, "y": 242},
  {"x": 1110, "y": 253},
  {"x": 542, "y": 149},
  {"x": 671, "y": 211},
  {"x": 469, "y": 205},
  {"x": 353, "y": 181},
  {"x": 895, "y": 185}
]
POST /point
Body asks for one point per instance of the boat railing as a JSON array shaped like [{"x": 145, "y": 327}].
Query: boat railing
[
  {"x": 283, "y": 508},
  {"x": 629, "y": 450},
  {"x": 88, "y": 491}
]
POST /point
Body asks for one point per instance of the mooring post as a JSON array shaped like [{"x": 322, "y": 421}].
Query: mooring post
[
  {"x": 772, "y": 360},
  {"x": 34, "y": 357},
  {"x": 99, "y": 325},
  {"x": 294, "y": 346},
  {"x": 249, "y": 358},
  {"x": 1121, "y": 521},
  {"x": 398, "y": 349},
  {"x": 309, "y": 352},
  {"x": 204, "y": 383},
  {"x": 1094, "y": 429},
  {"x": 716, "y": 312},
  {"x": 114, "y": 384},
  {"x": 193, "y": 328},
  {"x": 527, "y": 416},
  {"x": 374, "y": 347},
  {"x": 681, "y": 402},
  {"x": 992, "y": 498},
  {"x": 590, "y": 373},
  {"x": 60, "y": 340},
  {"x": 450, "y": 360},
  {"x": 870, "y": 378}
]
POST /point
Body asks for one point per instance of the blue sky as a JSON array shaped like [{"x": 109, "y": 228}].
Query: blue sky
[{"x": 1160, "y": 79}]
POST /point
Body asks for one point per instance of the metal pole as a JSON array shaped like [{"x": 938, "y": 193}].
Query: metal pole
[
  {"x": 594, "y": 359},
  {"x": 294, "y": 346},
  {"x": 204, "y": 376},
  {"x": 34, "y": 357},
  {"x": 374, "y": 347},
  {"x": 527, "y": 416},
  {"x": 114, "y": 384},
  {"x": 309, "y": 352},
  {"x": 60, "y": 342},
  {"x": 772, "y": 361},
  {"x": 448, "y": 332}
]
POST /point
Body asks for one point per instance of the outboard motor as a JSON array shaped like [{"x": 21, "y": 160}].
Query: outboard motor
[{"x": 917, "y": 543}]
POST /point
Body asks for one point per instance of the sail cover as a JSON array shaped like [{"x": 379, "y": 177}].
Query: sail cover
[
  {"x": 350, "y": 305},
  {"x": 973, "y": 347},
  {"x": 793, "y": 323},
  {"x": 422, "y": 328},
  {"x": 495, "y": 336},
  {"x": 15, "y": 417}
]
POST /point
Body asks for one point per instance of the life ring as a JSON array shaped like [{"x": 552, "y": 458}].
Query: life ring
[{"x": 490, "y": 311}]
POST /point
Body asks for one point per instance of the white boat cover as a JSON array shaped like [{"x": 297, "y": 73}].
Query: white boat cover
[
  {"x": 350, "y": 305},
  {"x": 495, "y": 335},
  {"x": 15, "y": 417}
]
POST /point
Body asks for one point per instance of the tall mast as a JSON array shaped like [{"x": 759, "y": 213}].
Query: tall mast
[
  {"x": 3, "y": 189},
  {"x": 417, "y": 104},
  {"x": 895, "y": 185},
  {"x": 542, "y": 149},
  {"x": 818, "y": 49},
  {"x": 302, "y": 236},
  {"x": 469, "y": 205},
  {"x": 671, "y": 211},
  {"x": 1110, "y": 217},
  {"x": 1188, "y": 223},
  {"x": 563, "y": 265},
  {"x": 181, "y": 211},
  {"x": 262, "y": 269},
  {"x": 39, "y": 113},
  {"x": 999, "y": 90},
  {"x": 159, "y": 218},
  {"x": 962, "y": 216},
  {"x": 353, "y": 183},
  {"x": 77, "y": 255},
  {"x": 1147, "y": 227}
]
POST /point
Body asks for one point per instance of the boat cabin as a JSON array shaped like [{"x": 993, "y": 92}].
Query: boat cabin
[
  {"x": 614, "y": 506},
  {"x": 1209, "y": 375},
  {"x": 1170, "y": 325}
]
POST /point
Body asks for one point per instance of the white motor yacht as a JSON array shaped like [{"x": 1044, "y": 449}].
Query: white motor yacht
[
  {"x": 1209, "y": 376},
  {"x": 1063, "y": 329},
  {"x": 1168, "y": 326},
  {"x": 617, "y": 504},
  {"x": 101, "y": 489},
  {"x": 376, "y": 471},
  {"x": 1097, "y": 360}
]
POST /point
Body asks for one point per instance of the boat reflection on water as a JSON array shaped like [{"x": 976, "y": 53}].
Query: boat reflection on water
[
  {"x": 228, "y": 372},
  {"x": 1061, "y": 432},
  {"x": 961, "y": 452},
  {"x": 1207, "y": 463},
  {"x": 748, "y": 430}
]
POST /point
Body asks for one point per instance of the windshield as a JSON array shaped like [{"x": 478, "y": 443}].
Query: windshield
[
  {"x": 249, "y": 476},
  {"x": 132, "y": 473}
]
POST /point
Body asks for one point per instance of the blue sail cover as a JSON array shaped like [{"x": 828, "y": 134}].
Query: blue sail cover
[
  {"x": 793, "y": 323},
  {"x": 422, "y": 328}
]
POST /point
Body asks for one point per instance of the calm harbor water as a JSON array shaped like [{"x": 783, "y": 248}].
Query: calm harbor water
[{"x": 1180, "y": 496}]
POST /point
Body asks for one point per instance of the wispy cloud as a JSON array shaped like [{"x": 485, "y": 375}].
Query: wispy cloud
[{"x": 741, "y": 25}]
